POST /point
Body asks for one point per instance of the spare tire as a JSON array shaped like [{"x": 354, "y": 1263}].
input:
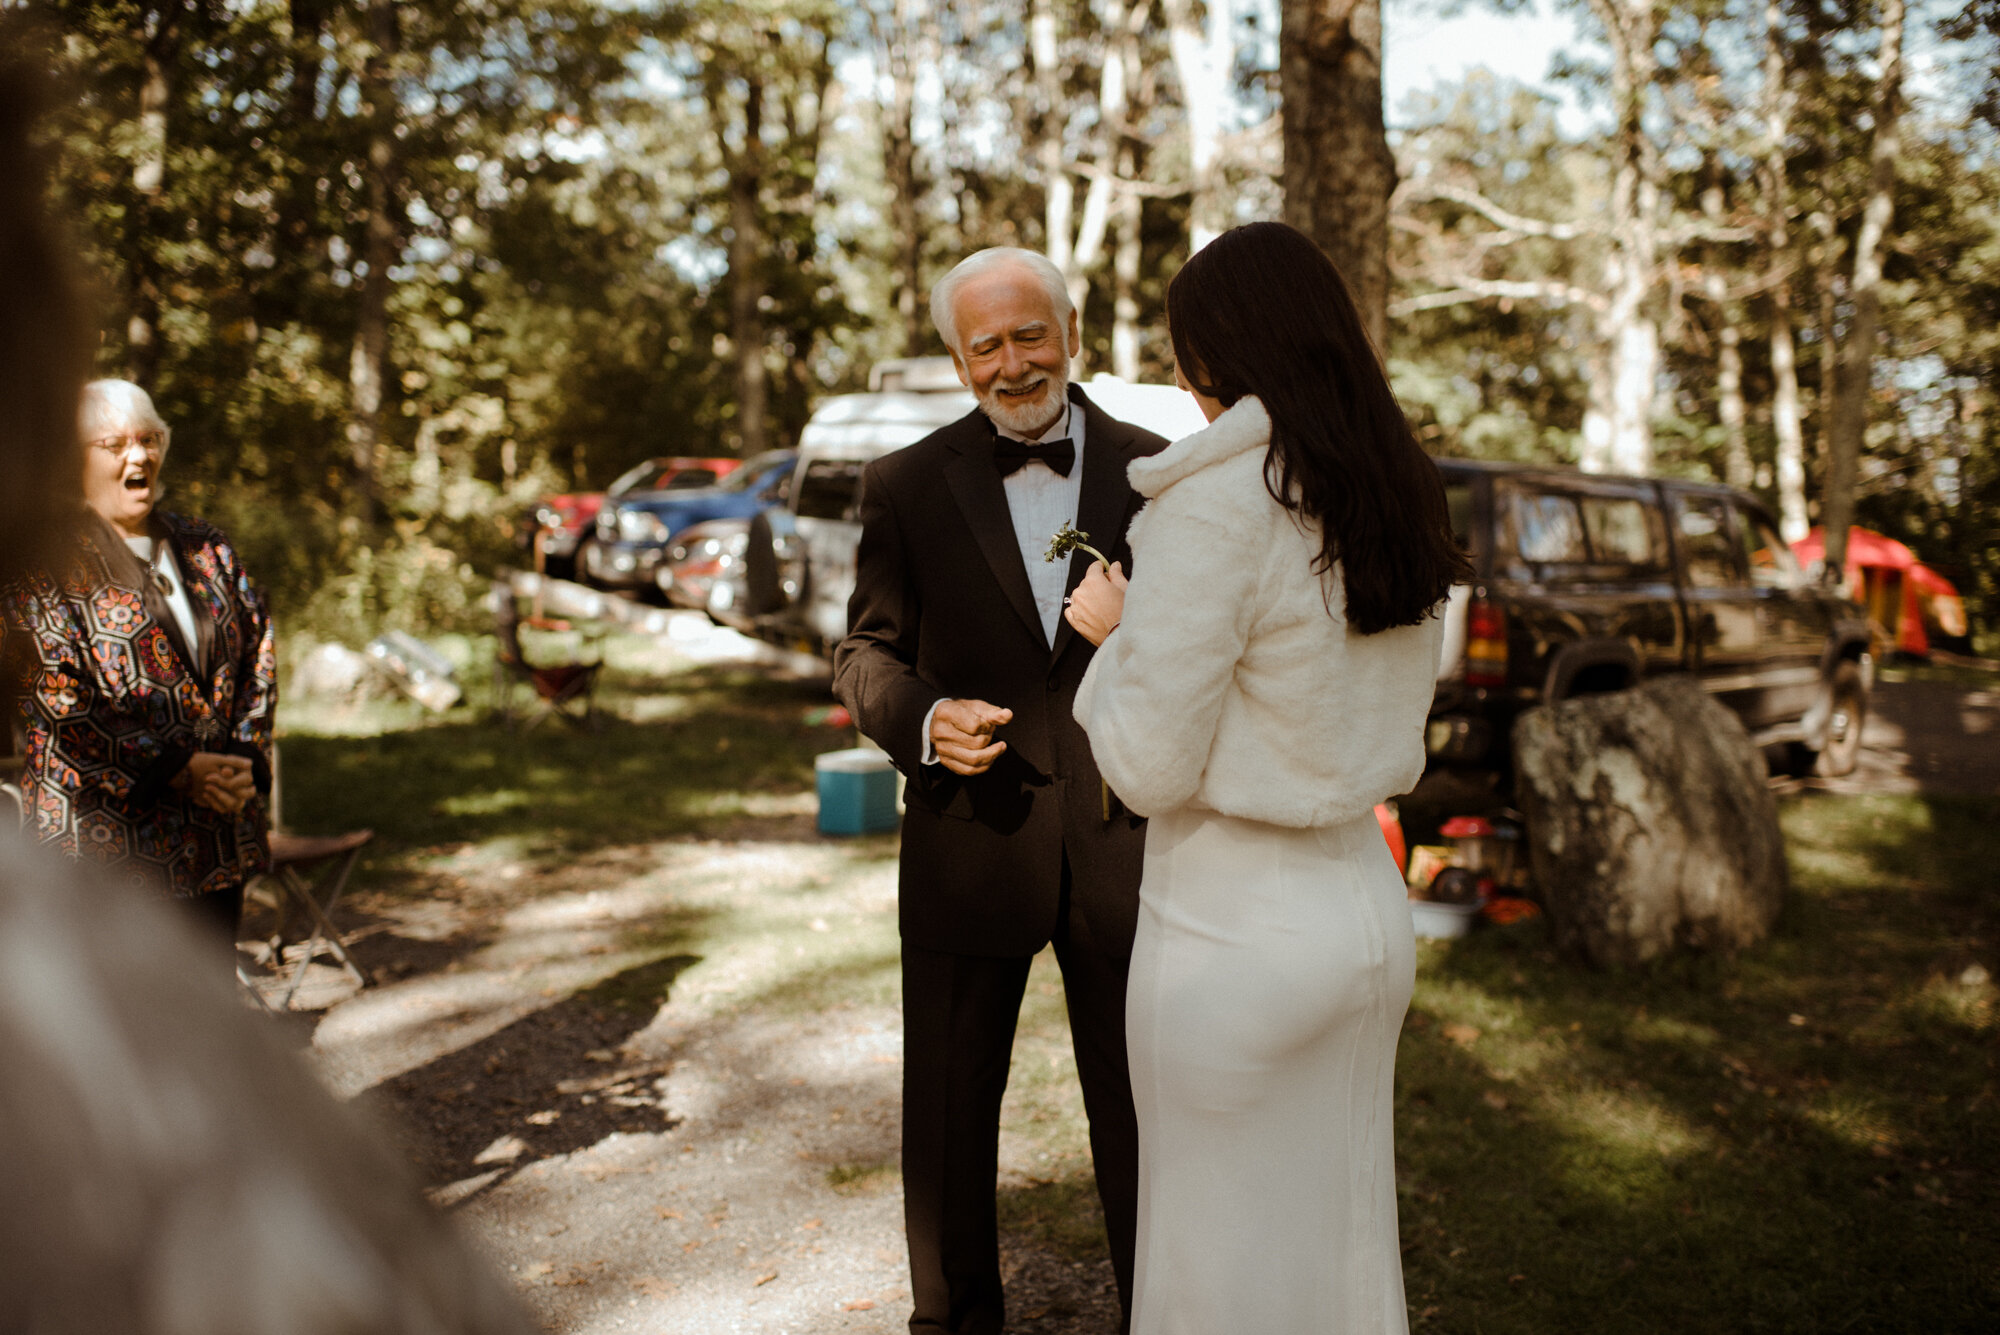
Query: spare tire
[{"x": 763, "y": 579}]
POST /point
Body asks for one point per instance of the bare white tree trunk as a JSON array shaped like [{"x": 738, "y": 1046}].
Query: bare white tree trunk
[
  {"x": 1857, "y": 362},
  {"x": 1076, "y": 242},
  {"x": 1204, "y": 53},
  {"x": 1736, "y": 465},
  {"x": 1630, "y": 325},
  {"x": 1786, "y": 422}
]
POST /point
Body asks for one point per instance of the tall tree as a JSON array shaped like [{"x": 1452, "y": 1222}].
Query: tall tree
[
  {"x": 1774, "y": 180},
  {"x": 1857, "y": 360},
  {"x": 1338, "y": 170},
  {"x": 369, "y": 359},
  {"x": 1204, "y": 52}
]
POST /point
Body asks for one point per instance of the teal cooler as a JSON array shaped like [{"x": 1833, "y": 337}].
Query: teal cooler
[{"x": 857, "y": 792}]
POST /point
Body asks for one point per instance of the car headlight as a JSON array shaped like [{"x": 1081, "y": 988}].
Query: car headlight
[{"x": 641, "y": 526}]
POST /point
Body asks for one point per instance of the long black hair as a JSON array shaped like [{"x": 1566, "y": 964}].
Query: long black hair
[{"x": 1262, "y": 311}]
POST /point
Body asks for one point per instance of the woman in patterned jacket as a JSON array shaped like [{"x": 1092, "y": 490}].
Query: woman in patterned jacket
[{"x": 145, "y": 670}]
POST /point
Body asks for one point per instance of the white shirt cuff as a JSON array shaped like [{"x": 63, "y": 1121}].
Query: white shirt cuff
[{"x": 930, "y": 756}]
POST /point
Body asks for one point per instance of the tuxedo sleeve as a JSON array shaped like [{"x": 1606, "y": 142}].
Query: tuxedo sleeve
[{"x": 874, "y": 667}]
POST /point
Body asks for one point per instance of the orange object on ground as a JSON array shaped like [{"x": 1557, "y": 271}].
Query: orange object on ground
[
  {"x": 1392, "y": 831},
  {"x": 1503, "y": 909}
]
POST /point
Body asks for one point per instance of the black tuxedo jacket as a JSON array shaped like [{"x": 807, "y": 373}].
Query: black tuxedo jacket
[{"x": 942, "y": 609}]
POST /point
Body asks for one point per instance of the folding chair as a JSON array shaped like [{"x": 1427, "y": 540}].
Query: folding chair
[
  {"x": 330, "y": 859},
  {"x": 566, "y": 690}
]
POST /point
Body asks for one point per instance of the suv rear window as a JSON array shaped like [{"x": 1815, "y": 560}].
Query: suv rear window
[
  {"x": 1608, "y": 537},
  {"x": 1708, "y": 543},
  {"x": 828, "y": 489}
]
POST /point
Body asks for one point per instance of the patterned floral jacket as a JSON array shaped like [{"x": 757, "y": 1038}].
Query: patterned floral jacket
[{"x": 116, "y": 701}]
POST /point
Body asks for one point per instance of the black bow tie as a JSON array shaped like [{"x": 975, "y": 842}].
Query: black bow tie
[{"x": 1009, "y": 454}]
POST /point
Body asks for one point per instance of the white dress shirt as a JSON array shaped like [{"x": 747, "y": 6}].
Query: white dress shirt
[
  {"x": 177, "y": 596},
  {"x": 1039, "y": 501}
]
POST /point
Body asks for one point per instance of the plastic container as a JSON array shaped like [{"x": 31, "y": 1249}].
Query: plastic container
[
  {"x": 1442, "y": 921},
  {"x": 857, "y": 792}
]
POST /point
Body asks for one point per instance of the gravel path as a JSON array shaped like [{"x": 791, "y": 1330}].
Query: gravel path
[{"x": 721, "y": 1162}]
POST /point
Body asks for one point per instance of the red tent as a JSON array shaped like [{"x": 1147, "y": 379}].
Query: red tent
[{"x": 1900, "y": 592}]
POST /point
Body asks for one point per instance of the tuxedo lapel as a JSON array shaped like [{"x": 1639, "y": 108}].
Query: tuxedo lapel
[
  {"x": 1101, "y": 505},
  {"x": 976, "y": 487}
]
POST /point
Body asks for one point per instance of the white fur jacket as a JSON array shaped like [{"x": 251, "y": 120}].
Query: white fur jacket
[{"x": 1228, "y": 683}]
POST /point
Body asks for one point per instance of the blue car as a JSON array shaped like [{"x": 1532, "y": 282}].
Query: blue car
[{"x": 627, "y": 547}]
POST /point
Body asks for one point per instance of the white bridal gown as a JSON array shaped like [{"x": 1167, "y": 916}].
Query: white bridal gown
[{"x": 1269, "y": 979}]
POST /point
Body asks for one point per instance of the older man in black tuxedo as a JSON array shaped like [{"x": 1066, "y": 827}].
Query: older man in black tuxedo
[{"x": 960, "y": 664}]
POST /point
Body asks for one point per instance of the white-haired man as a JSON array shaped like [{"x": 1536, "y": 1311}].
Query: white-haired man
[{"x": 960, "y": 665}]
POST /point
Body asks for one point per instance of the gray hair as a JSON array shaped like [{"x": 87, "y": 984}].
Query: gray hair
[
  {"x": 985, "y": 261},
  {"x": 110, "y": 406}
]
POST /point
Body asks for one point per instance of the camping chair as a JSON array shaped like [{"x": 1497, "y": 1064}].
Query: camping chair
[
  {"x": 308, "y": 873},
  {"x": 328, "y": 859},
  {"x": 566, "y": 690}
]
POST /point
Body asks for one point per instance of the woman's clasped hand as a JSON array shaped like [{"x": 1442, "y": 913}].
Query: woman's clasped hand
[{"x": 221, "y": 783}]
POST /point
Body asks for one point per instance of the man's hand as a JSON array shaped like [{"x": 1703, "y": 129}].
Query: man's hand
[
  {"x": 219, "y": 782},
  {"x": 1098, "y": 603},
  {"x": 962, "y": 735}
]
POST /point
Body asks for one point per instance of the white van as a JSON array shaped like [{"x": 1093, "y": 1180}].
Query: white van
[{"x": 798, "y": 567}]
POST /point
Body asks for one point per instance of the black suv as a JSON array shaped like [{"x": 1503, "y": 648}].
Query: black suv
[{"x": 1586, "y": 582}]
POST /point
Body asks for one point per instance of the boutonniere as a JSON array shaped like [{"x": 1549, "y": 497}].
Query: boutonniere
[{"x": 1067, "y": 540}]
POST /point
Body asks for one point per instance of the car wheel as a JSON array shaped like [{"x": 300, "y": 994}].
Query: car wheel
[
  {"x": 585, "y": 560},
  {"x": 763, "y": 591},
  {"x": 1842, "y": 750}
]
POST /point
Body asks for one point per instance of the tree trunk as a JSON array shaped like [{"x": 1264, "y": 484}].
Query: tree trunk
[
  {"x": 1204, "y": 65},
  {"x": 1125, "y": 258},
  {"x": 1630, "y": 327},
  {"x": 1857, "y": 362},
  {"x": 746, "y": 274},
  {"x": 297, "y": 251},
  {"x": 900, "y": 166},
  {"x": 368, "y": 362},
  {"x": 1076, "y": 243},
  {"x": 149, "y": 174},
  {"x": 1786, "y": 423},
  {"x": 1736, "y": 466},
  {"x": 1339, "y": 172}
]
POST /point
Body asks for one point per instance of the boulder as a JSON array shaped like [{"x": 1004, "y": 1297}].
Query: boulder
[{"x": 1651, "y": 823}]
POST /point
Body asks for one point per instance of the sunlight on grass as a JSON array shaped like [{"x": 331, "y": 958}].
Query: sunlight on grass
[{"x": 484, "y": 804}]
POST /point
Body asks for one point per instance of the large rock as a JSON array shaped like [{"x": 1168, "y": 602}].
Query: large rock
[{"x": 1650, "y": 823}]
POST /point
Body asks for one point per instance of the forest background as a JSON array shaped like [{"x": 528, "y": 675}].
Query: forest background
[{"x": 391, "y": 268}]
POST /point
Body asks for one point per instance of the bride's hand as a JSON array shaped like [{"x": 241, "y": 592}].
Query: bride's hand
[{"x": 1098, "y": 603}]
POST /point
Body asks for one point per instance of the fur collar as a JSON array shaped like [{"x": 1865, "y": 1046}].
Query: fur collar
[{"x": 1242, "y": 427}]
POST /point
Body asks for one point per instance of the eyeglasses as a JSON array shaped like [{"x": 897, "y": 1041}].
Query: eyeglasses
[{"x": 152, "y": 442}]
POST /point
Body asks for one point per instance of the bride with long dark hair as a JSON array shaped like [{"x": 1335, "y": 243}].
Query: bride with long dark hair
[{"x": 1262, "y": 684}]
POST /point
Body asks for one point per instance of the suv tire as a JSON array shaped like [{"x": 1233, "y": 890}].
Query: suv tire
[{"x": 1842, "y": 751}]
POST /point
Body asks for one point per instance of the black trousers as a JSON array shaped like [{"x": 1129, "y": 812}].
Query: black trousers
[{"x": 959, "y": 1016}]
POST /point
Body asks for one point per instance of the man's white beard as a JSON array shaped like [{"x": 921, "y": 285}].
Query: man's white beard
[{"x": 1022, "y": 419}]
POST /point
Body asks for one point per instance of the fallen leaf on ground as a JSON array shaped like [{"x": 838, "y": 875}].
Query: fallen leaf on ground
[
  {"x": 1464, "y": 1035},
  {"x": 860, "y": 1305},
  {"x": 664, "y": 1213},
  {"x": 546, "y": 1117},
  {"x": 811, "y": 1223},
  {"x": 652, "y": 1286},
  {"x": 762, "y": 1280}
]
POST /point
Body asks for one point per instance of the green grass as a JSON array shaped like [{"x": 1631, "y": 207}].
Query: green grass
[{"x": 1802, "y": 1138}]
